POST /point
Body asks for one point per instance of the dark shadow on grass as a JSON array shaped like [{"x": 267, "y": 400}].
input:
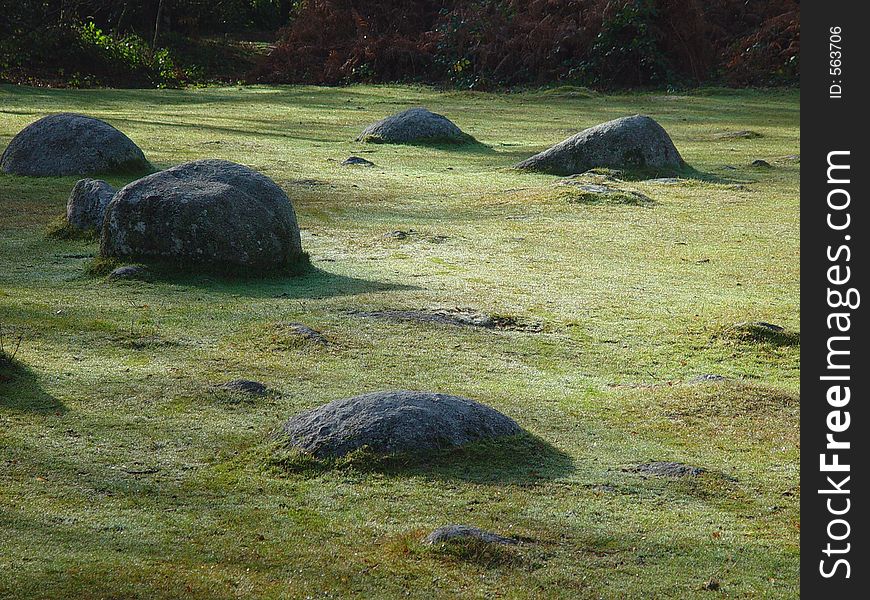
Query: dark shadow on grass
[
  {"x": 468, "y": 145},
  {"x": 686, "y": 172},
  {"x": 20, "y": 389},
  {"x": 522, "y": 459},
  {"x": 307, "y": 283}
]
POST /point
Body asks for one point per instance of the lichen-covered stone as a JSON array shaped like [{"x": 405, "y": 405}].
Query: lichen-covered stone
[
  {"x": 415, "y": 126},
  {"x": 635, "y": 142},
  {"x": 208, "y": 212},
  {"x": 395, "y": 422},
  {"x": 87, "y": 202},
  {"x": 71, "y": 144}
]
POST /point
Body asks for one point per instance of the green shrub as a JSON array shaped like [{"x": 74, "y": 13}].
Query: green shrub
[
  {"x": 125, "y": 59},
  {"x": 626, "y": 51}
]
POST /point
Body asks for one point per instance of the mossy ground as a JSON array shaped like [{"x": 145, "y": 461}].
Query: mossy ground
[{"x": 125, "y": 475}]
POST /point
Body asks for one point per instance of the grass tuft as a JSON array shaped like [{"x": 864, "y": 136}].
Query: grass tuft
[{"x": 61, "y": 229}]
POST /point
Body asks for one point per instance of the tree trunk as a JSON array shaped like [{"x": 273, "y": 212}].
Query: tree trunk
[{"x": 157, "y": 23}]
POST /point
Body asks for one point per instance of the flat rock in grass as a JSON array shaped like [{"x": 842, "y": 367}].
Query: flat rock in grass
[
  {"x": 71, "y": 144},
  {"x": 415, "y": 126},
  {"x": 129, "y": 272},
  {"x": 87, "y": 202},
  {"x": 306, "y": 332},
  {"x": 743, "y": 134},
  {"x": 451, "y": 533},
  {"x": 760, "y": 332},
  {"x": 246, "y": 386},
  {"x": 205, "y": 212},
  {"x": 665, "y": 180},
  {"x": 395, "y": 422},
  {"x": 635, "y": 142},
  {"x": 357, "y": 161},
  {"x": 464, "y": 317},
  {"x": 595, "y": 193},
  {"x": 667, "y": 469}
]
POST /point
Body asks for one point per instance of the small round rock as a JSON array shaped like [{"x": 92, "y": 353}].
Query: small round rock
[
  {"x": 466, "y": 532},
  {"x": 246, "y": 386}
]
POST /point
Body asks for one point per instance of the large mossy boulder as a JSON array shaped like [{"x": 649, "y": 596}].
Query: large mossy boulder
[
  {"x": 415, "y": 126},
  {"x": 204, "y": 213},
  {"x": 630, "y": 143},
  {"x": 395, "y": 422},
  {"x": 71, "y": 144}
]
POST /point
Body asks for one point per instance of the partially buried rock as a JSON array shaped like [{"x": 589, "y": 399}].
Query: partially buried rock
[
  {"x": 86, "y": 205},
  {"x": 450, "y": 533},
  {"x": 667, "y": 469},
  {"x": 635, "y": 142},
  {"x": 206, "y": 212},
  {"x": 464, "y": 317},
  {"x": 306, "y": 332},
  {"x": 415, "y": 126},
  {"x": 761, "y": 164},
  {"x": 743, "y": 134},
  {"x": 594, "y": 193},
  {"x": 246, "y": 386},
  {"x": 395, "y": 422},
  {"x": 357, "y": 161},
  {"x": 71, "y": 144}
]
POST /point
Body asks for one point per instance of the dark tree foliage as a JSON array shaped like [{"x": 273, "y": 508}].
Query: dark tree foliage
[
  {"x": 485, "y": 43},
  {"x": 470, "y": 43},
  {"x": 109, "y": 42}
]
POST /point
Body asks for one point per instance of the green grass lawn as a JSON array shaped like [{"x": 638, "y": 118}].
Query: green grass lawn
[{"x": 127, "y": 474}]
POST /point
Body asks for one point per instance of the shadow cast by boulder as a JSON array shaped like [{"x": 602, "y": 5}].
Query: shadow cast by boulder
[
  {"x": 20, "y": 390},
  {"x": 313, "y": 282},
  {"x": 523, "y": 459}
]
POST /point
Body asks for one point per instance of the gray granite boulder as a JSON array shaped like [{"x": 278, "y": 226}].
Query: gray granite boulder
[
  {"x": 395, "y": 422},
  {"x": 71, "y": 144},
  {"x": 205, "y": 212},
  {"x": 86, "y": 205},
  {"x": 636, "y": 142},
  {"x": 415, "y": 126}
]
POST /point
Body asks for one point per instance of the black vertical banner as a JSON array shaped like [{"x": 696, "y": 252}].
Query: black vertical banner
[{"x": 835, "y": 168}]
